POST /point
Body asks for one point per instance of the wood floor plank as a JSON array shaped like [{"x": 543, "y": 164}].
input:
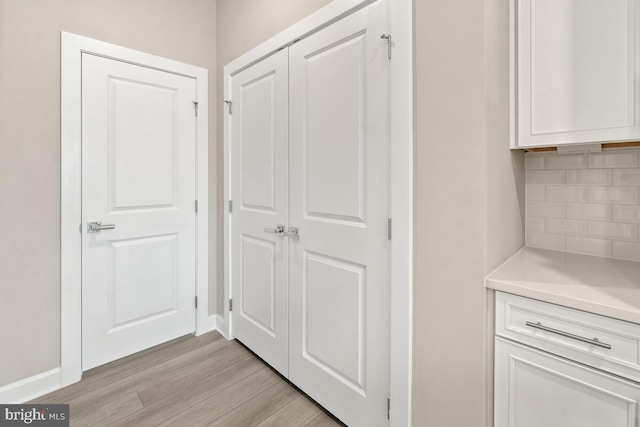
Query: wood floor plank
[
  {"x": 298, "y": 413},
  {"x": 168, "y": 407},
  {"x": 183, "y": 378},
  {"x": 323, "y": 420},
  {"x": 115, "y": 371},
  {"x": 258, "y": 408},
  {"x": 112, "y": 411},
  {"x": 193, "y": 381},
  {"x": 97, "y": 397},
  {"x": 228, "y": 399},
  {"x": 129, "y": 359}
]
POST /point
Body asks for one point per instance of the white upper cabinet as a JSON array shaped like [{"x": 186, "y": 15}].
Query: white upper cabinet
[{"x": 575, "y": 64}]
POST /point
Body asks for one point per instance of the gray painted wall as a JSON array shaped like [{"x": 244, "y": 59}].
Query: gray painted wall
[
  {"x": 469, "y": 186},
  {"x": 30, "y": 147},
  {"x": 469, "y": 203}
]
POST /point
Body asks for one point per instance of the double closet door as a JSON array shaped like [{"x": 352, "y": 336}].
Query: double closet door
[{"x": 310, "y": 190}]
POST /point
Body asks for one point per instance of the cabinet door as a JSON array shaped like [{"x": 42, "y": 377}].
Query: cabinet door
[
  {"x": 534, "y": 388},
  {"x": 576, "y": 68}
]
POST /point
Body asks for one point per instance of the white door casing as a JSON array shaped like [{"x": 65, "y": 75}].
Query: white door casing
[
  {"x": 138, "y": 173},
  {"x": 339, "y": 190},
  {"x": 259, "y": 176},
  {"x": 73, "y": 47}
]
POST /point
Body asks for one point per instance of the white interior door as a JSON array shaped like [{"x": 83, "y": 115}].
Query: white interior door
[
  {"x": 339, "y": 190},
  {"x": 259, "y": 175},
  {"x": 138, "y": 174}
]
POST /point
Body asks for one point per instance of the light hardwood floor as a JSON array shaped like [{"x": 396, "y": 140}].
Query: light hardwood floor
[{"x": 191, "y": 381}]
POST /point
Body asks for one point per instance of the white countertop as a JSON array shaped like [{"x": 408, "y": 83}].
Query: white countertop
[{"x": 604, "y": 286}]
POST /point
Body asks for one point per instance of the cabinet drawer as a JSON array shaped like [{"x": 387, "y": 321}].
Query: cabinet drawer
[{"x": 608, "y": 344}]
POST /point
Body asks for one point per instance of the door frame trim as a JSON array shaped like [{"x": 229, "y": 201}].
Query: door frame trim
[
  {"x": 72, "y": 48},
  {"x": 402, "y": 184}
]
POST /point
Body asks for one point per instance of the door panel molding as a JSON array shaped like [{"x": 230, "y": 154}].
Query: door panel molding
[
  {"x": 72, "y": 48},
  {"x": 401, "y": 185},
  {"x": 339, "y": 271},
  {"x": 139, "y": 149}
]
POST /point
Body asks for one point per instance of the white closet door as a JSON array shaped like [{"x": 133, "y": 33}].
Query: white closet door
[
  {"x": 138, "y": 175},
  {"x": 339, "y": 190},
  {"x": 259, "y": 175}
]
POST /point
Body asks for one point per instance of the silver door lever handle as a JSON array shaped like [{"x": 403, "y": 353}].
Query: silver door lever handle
[
  {"x": 294, "y": 233},
  {"x": 96, "y": 227},
  {"x": 279, "y": 230}
]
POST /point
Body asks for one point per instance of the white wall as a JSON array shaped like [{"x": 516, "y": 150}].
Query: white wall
[
  {"x": 469, "y": 203},
  {"x": 30, "y": 146},
  {"x": 243, "y": 25}
]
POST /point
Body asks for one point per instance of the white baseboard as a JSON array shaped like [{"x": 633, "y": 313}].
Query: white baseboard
[
  {"x": 31, "y": 388},
  {"x": 221, "y": 326},
  {"x": 217, "y": 323},
  {"x": 212, "y": 322},
  {"x": 38, "y": 385}
]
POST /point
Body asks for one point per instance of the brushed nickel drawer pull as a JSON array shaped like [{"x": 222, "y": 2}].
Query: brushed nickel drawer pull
[{"x": 593, "y": 341}]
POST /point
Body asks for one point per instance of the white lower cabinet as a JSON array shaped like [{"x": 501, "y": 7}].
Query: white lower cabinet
[{"x": 534, "y": 388}]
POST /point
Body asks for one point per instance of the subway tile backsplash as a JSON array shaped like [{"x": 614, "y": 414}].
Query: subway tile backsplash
[
  {"x": 590, "y": 177},
  {"x": 584, "y": 203}
]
